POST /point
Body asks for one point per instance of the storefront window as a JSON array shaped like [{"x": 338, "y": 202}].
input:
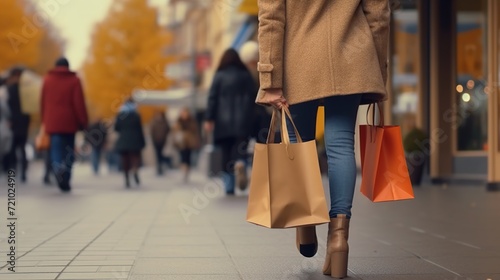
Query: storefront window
[
  {"x": 472, "y": 88},
  {"x": 405, "y": 64}
]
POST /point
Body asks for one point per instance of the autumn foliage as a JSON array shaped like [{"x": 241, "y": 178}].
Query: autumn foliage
[
  {"x": 126, "y": 53},
  {"x": 27, "y": 38}
]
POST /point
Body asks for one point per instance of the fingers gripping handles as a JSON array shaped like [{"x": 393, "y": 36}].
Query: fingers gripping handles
[{"x": 285, "y": 136}]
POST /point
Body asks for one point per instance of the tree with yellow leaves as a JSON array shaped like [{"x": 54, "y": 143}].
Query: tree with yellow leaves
[
  {"x": 27, "y": 37},
  {"x": 126, "y": 54}
]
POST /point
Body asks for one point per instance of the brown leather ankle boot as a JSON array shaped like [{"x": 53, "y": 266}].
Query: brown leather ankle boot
[
  {"x": 306, "y": 241},
  {"x": 337, "y": 249}
]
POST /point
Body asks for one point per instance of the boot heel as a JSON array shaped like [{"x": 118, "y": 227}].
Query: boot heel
[{"x": 338, "y": 264}]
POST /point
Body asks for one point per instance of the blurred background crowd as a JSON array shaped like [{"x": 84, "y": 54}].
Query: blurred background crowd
[{"x": 137, "y": 105}]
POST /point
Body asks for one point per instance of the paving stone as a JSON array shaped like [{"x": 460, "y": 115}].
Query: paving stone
[
  {"x": 53, "y": 263},
  {"x": 393, "y": 266},
  {"x": 254, "y": 250},
  {"x": 283, "y": 267},
  {"x": 182, "y": 230},
  {"x": 184, "y": 266},
  {"x": 81, "y": 268},
  {"x": 103, "y": 262},
  {"x": 115, "y": 268},
  {"x": 414, "y": 277},
  {"x": 93, "y": 276},
  {"x": 110, "y": 253},
  {"x": 21, "y": 262},
  {"x": 184, "y": 251},
  {"x": 31, "y": 257},
  {"x": 183, "y": 240},
  {"x": 318, "y": 275},
  {"x": 489, "y": 276},
  {"x": 34, "y": 269},
  {"x": 472, "y": 265},
  {"x": 185, "y": 277},
  {"x": 28, "y": 276}
]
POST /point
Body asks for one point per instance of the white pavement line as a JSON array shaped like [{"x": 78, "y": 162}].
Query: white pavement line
[
  {"x": 442, "y": 267},
  {"x": 384, "y": 242},
  {"x": 466, "y": 244},
  {"x": 438, "y": 236},
  {"x": 417, "y": 230}
]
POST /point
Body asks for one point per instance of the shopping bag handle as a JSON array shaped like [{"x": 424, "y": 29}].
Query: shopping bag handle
[
  {"x": 373, "y": 127},
  {"x": 285, "y": 137},
  {"x": 373, "y": 109}
]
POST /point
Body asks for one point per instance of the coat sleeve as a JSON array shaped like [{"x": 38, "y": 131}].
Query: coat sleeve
[
  {"x": 79, "y": 106},
  {"x": 117, "y": 125},
  {"x": 212, "y": 99},
  {"x": 141, "y": 132},
  {"x": 378, "y": 15},
  {"x": 271, "y": 43},
  {"x": 42, "y": 103}
]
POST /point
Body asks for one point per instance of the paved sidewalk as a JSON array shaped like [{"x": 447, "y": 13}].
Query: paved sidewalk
[{"x": 167, "y": 230}]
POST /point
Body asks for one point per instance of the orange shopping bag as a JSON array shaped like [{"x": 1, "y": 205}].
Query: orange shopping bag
[{"x": 384, "y": 172}]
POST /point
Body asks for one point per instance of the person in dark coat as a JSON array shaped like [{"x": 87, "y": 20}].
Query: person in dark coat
[
  {"x": 130, "y": 141},
  {"x": 160, "y": 129},
  {"x": 63, "y": 114},
  {"x": 5, "y": 118},
  {"x": 231, "y": 114},
  {"x": 96, "y": 136},
  {"x": 249, "y": 54},
  {"x": 20, "y": 123}
]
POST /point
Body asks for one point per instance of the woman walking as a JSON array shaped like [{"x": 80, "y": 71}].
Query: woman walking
[
  {"x": 334, "y": 53},
  {"x": 159, "y": 134},
  {"x": 186, "y": 139},
  {"x": 231, "y": 114},
  {"x": 130, "y": 141}
]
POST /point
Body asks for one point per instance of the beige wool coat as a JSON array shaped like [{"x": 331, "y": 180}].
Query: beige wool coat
[{"x": 314, "y": 49}]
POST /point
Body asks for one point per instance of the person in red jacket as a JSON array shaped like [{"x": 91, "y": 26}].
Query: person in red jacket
[{"x": 63, "y": 114}]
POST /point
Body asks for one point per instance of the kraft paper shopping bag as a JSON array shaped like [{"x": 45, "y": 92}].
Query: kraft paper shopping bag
[{"x": 286, "y": 189}]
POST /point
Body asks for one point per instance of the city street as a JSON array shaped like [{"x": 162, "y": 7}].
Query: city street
[{"x": 167, "y": 230}]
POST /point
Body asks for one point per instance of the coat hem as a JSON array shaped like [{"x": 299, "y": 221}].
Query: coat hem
[{"x": 366, "y": 98}]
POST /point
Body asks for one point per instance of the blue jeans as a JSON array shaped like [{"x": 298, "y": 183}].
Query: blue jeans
[
  {"x": 340, "y": 121},
  {"x": 95, "y": 158},
  {"x": 229, "y": 181},
  {"x": 62, "y": 154}
]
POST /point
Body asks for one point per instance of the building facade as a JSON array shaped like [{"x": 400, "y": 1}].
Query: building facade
[{"x": 445, "y": 76}]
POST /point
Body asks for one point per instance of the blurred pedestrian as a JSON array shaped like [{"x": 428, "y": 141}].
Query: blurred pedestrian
[
  {"x": 20, "y": 123},
  {"x": 130, "y": 140},
  {"x": 96, "y": 137},
  {"x": 63, "y": 114},
  {"x": 186, "y": 139},
  {"x": 345, "y": 65},
  {"x": 231, "y": 116},
  {"x": 111, "y": 155},
  {"x": 249, "y": 53},
  {"x": 5, "y": 121},
  {"x": 160, "y": 129},
  {"x": 47, "y": 164}
]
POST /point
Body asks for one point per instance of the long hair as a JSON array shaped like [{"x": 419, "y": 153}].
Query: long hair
[{"x": 231, "y": 58}]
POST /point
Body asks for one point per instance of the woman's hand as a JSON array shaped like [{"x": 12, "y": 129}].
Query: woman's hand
[{"x": 273, "y": 97}]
